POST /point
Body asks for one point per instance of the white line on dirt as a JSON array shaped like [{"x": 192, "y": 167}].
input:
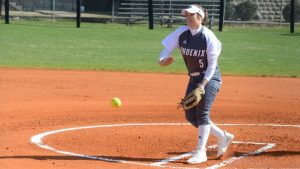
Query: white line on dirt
[
  {"x": 232, "y": 159},
  {"x": 176, "y": 158},
  {"x": 37, "y": 139},
  {"x": 172, "y": 159}
]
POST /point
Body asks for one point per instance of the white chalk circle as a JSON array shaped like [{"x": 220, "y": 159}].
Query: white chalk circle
[{"x": 38, "y": 140}]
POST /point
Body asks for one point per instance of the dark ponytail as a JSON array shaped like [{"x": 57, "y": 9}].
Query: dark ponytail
[{"x": 205, "y": 19}]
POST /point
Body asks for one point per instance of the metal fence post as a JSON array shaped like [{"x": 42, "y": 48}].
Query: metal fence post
[
  {"x": 292, "y": 17},
  {"x": 221, "y": 19},
  {"x": 78, "y": 13},
  {"x": 150, "y": 13},
  {"x": 53, "y": 9},
  {"x": 6, "y": 11},
  {"x": 113, "y": 11}
]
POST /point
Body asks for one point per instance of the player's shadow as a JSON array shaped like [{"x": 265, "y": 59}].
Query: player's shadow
[
  {"x": 272, "y": 153},
  {"x": 176, "y": 153},
  {"x": 100, "y": 158},
  {"x": 208, "y": 153},
  {"x": 37, "y": 157}
]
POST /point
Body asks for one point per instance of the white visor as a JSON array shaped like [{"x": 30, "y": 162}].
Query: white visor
[{"x": 193, "y": 9}]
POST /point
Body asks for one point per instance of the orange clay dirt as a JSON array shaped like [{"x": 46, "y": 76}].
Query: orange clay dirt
[{"x": 34, "y": 101}]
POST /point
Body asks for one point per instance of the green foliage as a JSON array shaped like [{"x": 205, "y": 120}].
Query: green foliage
[
  {"x": 245, "y": 10},
  {"x": 229, "y": 11},
  {"x": 287, "y": 11}
]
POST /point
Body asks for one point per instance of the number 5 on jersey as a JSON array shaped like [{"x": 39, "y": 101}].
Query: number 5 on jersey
[{"x": 201, "y": 64}]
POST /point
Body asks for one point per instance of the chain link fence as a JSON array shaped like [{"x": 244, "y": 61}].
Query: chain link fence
[
  {"x": 58, "y": 10},
  {"x": 135, "y": 11},
  {"x": 40, "y": 9}
]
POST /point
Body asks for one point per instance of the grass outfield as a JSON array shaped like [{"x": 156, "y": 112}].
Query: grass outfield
[{"x": 246, "y": 51}]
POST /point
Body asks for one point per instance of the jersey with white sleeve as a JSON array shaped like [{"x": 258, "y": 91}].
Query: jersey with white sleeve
[{"x": 200, "y": 50}]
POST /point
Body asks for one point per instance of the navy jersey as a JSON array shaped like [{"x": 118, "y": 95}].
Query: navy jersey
[
  {"x": 193, "y": 51},
  {"x": 200, "y": 51}
]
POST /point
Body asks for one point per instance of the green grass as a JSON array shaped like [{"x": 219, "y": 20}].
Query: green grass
[
  {"x": 260, "y": 51},
  {"x": 246, "y": 51}
]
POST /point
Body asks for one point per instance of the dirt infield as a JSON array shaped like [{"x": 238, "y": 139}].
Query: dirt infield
[{"x": 148, "y": 128}]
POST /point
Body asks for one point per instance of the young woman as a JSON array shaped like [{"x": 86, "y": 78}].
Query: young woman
[{"x": 200, "y": 50}]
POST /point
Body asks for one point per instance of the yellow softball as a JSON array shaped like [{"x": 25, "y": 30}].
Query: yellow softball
[{"x": 116, "y": 102}]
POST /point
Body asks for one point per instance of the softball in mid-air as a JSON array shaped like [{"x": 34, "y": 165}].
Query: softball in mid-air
[{"x": 116, "y": 102}]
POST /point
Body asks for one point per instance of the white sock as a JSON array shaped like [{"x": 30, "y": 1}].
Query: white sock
[
  {"x": 203, "y": 133},
  {"x": 216, "y": 131}
]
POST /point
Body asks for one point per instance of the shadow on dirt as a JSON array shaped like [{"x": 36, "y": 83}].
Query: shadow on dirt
[
  {"x": 272, "y": 153},
  {"x": 100, "y": 158}
]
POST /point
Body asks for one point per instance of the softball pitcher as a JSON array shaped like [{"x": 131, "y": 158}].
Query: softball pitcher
[{"x": 200, "y": 50}]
